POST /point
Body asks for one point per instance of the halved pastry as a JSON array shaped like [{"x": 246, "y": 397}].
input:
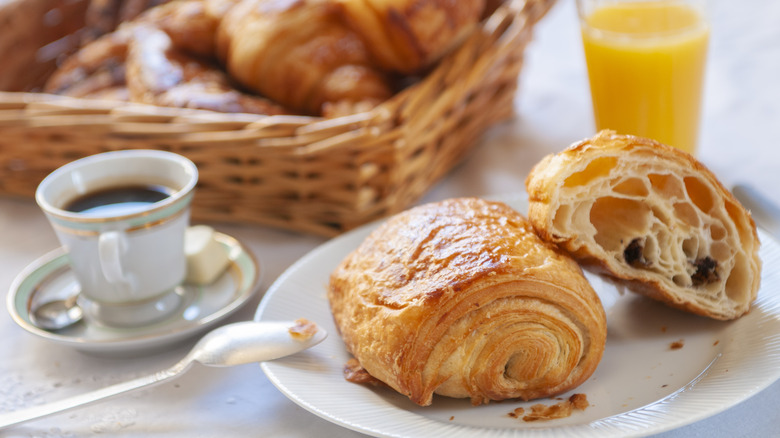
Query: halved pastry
[
  {"x": 652, "y": 217},
  {"x": 461, "y": 298}
]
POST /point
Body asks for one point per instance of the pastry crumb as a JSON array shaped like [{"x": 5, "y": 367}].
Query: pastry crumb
[
  {"x": 303, "y": 329},
  {"x": 517, "y": 413},
  {"x": 355, "y": 373},
  {"x": 579, "y": 401},
  {"x": 562, "y": 409},
  {"x": 452, "y": 417},
  {"x": 676, "y": 345}
]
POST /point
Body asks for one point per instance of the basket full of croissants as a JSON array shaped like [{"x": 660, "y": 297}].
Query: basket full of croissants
[{"x": 310, "y": 115}]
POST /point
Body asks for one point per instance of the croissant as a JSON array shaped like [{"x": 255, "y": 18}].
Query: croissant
[
  {"x": 652, "y": 217},
  {"x": 461, "y": 298},
  {"x": 160, "y": 75},
  {"x": 92, "y": 72},
  {"x": 299, "y": 53},
  {"x": 104, "y": 16},
  {"x": 409, "y": 35},
  {"x": 308, "y": 56}
]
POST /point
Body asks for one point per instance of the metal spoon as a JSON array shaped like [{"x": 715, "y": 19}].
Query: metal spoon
[
  {"x": 233, "y": 344},
  {"x": 764, "y": 211},
  {"x": 57, "y": 314}
]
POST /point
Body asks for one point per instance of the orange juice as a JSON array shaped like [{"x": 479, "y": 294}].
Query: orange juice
[{"x": 646, "y": 68}]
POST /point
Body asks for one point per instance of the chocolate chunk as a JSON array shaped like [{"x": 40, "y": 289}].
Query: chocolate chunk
[
  {"x": 633, "y": 254},
  {"x": 706, "y": 271}
]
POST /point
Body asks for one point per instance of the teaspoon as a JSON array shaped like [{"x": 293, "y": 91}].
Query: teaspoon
[
  {"x": 232, "y": 344},
  {"x": 57, "y": 314},
  {"x": 764, "y": 211}
]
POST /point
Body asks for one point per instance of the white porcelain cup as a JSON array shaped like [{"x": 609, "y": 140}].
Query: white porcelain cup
[{"x": 129, "y": 262}]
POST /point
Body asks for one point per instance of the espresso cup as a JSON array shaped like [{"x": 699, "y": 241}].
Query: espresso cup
[{"x": 121, "y": 216}]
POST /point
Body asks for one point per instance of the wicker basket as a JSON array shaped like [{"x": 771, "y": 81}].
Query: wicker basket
[{"x": 309, "y": 174}]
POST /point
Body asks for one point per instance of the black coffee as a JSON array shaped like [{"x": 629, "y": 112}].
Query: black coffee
[{"x": 117, "y": 201}]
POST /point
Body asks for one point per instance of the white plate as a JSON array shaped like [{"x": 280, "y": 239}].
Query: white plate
[
  {"x": 642, "y": 386},
  {"x": 50, "y": 277}
]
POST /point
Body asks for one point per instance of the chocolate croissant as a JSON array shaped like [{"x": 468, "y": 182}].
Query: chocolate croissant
[
  {"x": 652, "y": 217},
  {"x": 462, "y": 299}
]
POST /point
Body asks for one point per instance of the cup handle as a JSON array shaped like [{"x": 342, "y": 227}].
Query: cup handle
[{"x": 111, "y": 246}]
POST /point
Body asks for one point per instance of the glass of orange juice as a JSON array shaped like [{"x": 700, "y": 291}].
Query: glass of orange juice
[{"x": 646, "y": 62}]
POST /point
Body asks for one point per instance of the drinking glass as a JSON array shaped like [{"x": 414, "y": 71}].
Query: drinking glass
[{"x": 646, "y": 64}]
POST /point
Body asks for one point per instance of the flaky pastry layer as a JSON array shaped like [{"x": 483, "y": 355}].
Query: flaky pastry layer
[
  {"x": 651, "y": 216},
  {"x": 461, "y": 298}
]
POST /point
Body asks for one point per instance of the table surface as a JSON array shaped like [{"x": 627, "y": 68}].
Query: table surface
[{"x": 741, "y": 121}]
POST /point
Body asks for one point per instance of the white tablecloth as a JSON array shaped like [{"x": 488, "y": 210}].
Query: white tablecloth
[{"x": 741, "y": 123}]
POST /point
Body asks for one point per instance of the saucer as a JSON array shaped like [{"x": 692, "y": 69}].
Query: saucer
[{"x": 202, "y": 306}]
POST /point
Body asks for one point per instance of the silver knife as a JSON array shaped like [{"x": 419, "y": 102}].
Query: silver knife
[{"x": 764, "y": 211}]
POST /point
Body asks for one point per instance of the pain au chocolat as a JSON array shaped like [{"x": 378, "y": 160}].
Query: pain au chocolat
[
  {"x": 652, "y": 217},
  {"x": 461, "y": 298}
]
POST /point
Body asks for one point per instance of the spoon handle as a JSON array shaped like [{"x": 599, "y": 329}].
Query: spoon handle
[
  {"x": 14, "y": 418},
  {"x": 765, "y": 212}
]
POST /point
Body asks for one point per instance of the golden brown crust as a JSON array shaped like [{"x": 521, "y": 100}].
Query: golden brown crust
[
  {"x": 651, "y": 216},
  {"x": 159, "y": 74},
  {"x": 461, "y": 298},
  {"x": 409, "y": 35},
  {"x": 320, "y": 57},
  {"x": 299, "y": 53}
]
